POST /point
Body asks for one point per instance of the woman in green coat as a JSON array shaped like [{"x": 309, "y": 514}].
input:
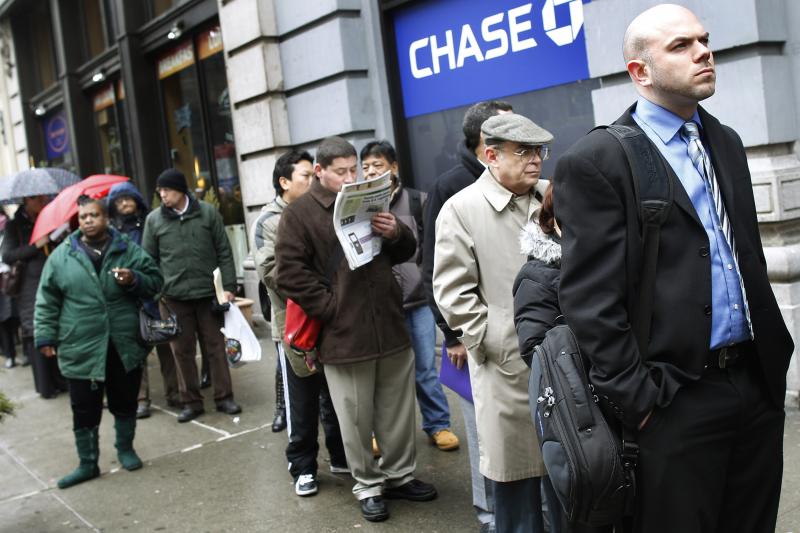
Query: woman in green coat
[{"x": 87, "y": 316}]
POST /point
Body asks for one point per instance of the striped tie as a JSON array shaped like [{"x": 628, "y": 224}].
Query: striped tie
[{"x": 701, "y": 161}]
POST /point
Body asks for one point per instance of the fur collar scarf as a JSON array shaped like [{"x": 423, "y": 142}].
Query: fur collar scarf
[{"x": 535, "y": 244}]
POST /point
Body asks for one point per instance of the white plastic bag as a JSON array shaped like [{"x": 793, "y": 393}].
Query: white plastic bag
[{"x": 241, "y": 344}]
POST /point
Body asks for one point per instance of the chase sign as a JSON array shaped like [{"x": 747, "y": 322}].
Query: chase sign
[{"x": 456, "y": 52}]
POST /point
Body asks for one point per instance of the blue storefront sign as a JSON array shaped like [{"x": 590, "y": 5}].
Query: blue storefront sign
[
  {"x": 56, "y": 135},
  {"x": 456, "y": 52}
]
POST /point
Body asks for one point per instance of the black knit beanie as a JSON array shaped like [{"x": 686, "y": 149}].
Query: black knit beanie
[{"x": 172, "y": 179}]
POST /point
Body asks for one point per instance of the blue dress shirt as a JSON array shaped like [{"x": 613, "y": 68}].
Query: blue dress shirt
[{"x": 729, "y": 323}]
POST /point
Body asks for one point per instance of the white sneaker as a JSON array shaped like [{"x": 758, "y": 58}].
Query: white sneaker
[{"x": 306, "y": 485}]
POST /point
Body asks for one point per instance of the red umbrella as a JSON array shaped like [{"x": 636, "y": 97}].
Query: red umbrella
[{"x": 65, "y": 205}]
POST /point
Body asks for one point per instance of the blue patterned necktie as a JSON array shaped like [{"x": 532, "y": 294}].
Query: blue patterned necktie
[{"x": 701, "y": 161}]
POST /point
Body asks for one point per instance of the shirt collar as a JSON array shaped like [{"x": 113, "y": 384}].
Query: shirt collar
[{"x": 663, "y": 122}]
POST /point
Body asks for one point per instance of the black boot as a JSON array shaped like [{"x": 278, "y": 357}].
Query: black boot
[
  {"x": 86, "y": 441},
  {"x": 279, "y": 420}
]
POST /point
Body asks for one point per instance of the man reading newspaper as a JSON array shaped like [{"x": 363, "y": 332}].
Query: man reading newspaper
[{"x": 368, "y": 359}]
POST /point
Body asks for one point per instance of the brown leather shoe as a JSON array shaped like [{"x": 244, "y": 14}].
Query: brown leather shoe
[{"x": 445, "y": 440}]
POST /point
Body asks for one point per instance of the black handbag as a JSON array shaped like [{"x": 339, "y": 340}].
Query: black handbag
[
  {"x": 157, "y": 330},
  {"x": 11, "y": 279}
]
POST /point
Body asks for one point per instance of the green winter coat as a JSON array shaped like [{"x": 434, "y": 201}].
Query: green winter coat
[
  {"x": 188, "y": 248},
  {"x": 78, "y": 310}
]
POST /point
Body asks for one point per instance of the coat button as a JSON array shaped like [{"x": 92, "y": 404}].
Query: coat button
[
  {"x": 704, "y": 251},
  {"x": 707, "y": 310}
]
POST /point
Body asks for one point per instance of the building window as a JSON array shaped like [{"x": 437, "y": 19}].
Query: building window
[
  {"x": 159, "y": 7},
  {"x": 199, "y": 125},
  {"x": 42, "y": 41},
  {"x": 95, "y": 33},
  {"x": 109, "y": 116},
  {"x": 218, "y": 111},
  {"x": 182, "y": 109}
]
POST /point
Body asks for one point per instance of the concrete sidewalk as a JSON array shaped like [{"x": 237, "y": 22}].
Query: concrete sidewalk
[{"x": 221, "y": 473}]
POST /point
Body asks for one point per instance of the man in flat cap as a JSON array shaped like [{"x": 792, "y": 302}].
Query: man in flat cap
[{"x": 476, "y": 258}]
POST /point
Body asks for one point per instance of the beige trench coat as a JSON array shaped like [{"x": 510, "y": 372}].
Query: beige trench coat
[{"x": 476, "y": 260}]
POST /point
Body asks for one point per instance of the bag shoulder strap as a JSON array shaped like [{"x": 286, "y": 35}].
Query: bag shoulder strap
[
  {"x": 415, "y": 206},
  {"x": 653, "y": 191}
]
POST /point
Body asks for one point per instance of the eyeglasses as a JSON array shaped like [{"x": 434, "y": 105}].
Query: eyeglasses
[{"x": 540, "y": 150}]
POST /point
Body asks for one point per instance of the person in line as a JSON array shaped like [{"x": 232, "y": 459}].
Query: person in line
[
  {"x": 9, "y": 319},
  {"x": 307, "y": 395},
  {"x": 127, "y": 212},
  {"x": 46, "y": 377},
  {"x": 407, "y": 204},
  {"x": 472, "y": 163},
  {"x": 708, "y": 398},
  {"x": 477, "y": 258},
  {"x": 187, "y": 239},
  {"x": 367, "y": 355},
  {"x": 87, "y": 319}
]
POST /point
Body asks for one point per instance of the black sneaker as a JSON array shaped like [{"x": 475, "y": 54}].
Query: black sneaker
[
  {"x": 306, "y": 485},
  {"x": 415, "y": 491},
  {"x": 374, "y": 509}
]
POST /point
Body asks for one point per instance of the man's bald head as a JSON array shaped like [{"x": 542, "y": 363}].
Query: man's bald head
[
  {"x": 647, "y": 26},
  {"x": 668, "y": 58}
]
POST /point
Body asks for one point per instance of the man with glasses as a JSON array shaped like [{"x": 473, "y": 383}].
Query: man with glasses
[
  {"x": 476, "y": 260},
  {"x": 366, "y": 351}
]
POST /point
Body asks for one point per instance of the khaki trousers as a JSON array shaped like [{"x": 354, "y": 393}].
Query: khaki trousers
[{"x": 376, "y": 396}]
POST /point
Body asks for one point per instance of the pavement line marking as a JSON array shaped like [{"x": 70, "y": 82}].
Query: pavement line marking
[
  {"x": 212, "y": 428},
  {"x": 25, "y": 467},
  {"x": 76, "y": 513},
  {"x": 206, "y": 426},
  {"x": 192, "y": 447},
  {"x": 21, "y": 496},
  {"x": 245, "y": 432},
  {"x": 45, "y": 487}
]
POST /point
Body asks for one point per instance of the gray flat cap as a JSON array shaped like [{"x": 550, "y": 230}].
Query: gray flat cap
[{"x": 515, "y": 128}]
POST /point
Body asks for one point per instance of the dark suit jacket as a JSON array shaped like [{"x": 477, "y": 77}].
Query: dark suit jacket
[{"x": 601, "y": 262}]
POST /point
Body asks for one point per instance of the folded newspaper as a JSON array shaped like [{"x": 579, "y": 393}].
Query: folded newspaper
[{"x": 355, "y": 206}]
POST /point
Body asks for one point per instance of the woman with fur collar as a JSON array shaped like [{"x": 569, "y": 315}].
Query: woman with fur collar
[{"x": 536, "y": 287}]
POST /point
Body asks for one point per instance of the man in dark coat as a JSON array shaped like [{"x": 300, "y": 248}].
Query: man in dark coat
[
  {"x": 187, "y": 238},
  {"x": 706, "y": 393},
  {"x": 127, "y": 212},
  {"x": 366, "y": 352},
  {"x": 471, "y": 165},
  {"x": 46, "y": 377}
]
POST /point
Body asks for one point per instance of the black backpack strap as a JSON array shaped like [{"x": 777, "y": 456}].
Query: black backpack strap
[
  {"x": 653, "y": 189},
  {"x": 415, "y": 206}
]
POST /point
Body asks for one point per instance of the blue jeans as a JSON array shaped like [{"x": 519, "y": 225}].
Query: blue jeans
[{"x": 430, "y": 396}]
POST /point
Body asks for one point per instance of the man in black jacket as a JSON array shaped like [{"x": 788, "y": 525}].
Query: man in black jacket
[
  {"x": 706, "y": 394},
  {"x": 470, "y": 167}
]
